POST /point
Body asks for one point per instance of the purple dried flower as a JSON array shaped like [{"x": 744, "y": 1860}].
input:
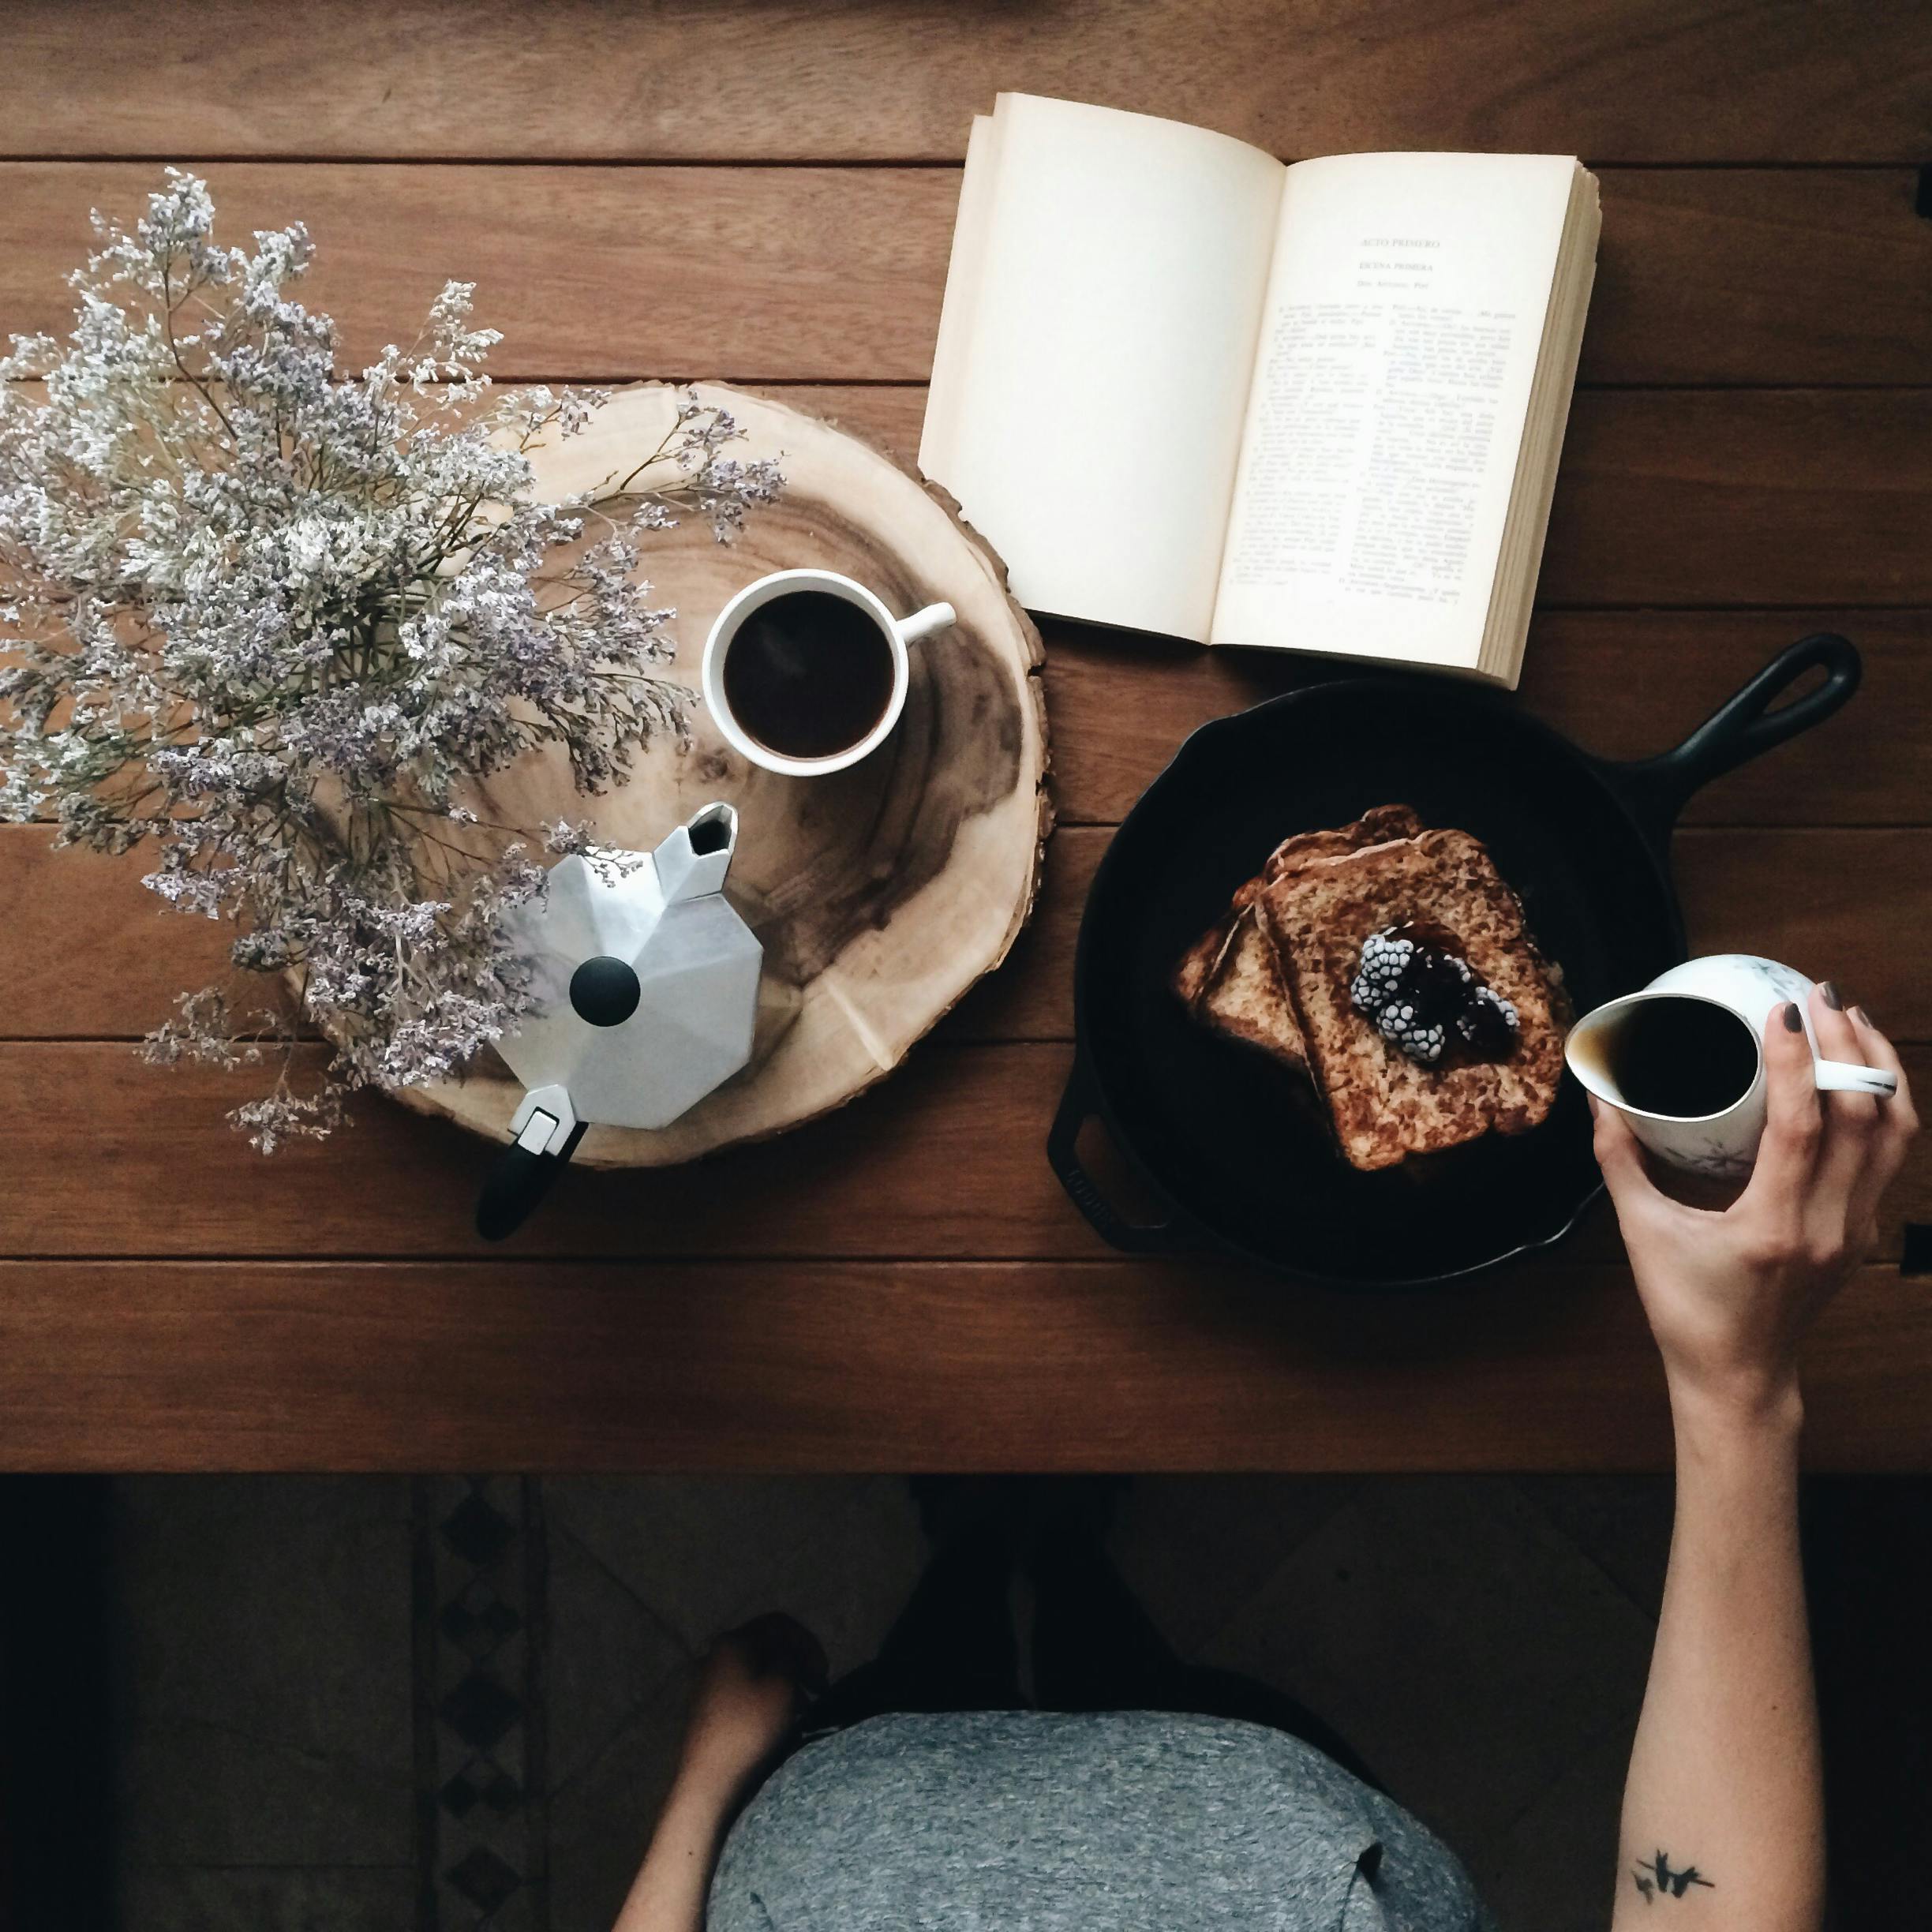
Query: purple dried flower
[{"x": 278, "y": 622}]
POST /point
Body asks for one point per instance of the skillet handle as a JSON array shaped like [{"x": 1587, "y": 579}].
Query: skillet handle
[
  {"x": 1657, "y": 789},
  {"x": 1077, "y": 1108}
]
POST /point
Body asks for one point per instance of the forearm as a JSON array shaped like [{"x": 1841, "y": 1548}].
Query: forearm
[
  {"x": 1725, "y": 1776},
  {"x": 669, "y": 1894}
]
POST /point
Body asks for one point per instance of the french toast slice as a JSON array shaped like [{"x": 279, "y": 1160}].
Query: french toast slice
[
  {"x": 1198, "y": 962},
  {"x": 1385, "y": 1106},
  {"x": 1245, "y": 996},
  {"x": 1375, "y": 827},
  {"x": 1230, "y": 977}
]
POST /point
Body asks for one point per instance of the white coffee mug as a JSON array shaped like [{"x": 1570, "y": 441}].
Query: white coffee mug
[
  {"x": 900, "y": 634},
  {"x": 1723, "y": 1143}
]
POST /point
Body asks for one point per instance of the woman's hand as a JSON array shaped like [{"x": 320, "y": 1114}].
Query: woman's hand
[
  {"x": 1730, "y": 1294},
  {"x": 751, "y": 1689}
]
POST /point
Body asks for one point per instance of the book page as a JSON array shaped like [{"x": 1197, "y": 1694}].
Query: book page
[
  {"x": 938, "y": 440},
  {"x": 1095, "y": 355},
  {"x": 1399, "y": 342}
]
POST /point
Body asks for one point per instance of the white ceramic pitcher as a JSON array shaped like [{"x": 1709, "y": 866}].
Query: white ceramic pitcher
[{"x": 1723, "y": 1143}]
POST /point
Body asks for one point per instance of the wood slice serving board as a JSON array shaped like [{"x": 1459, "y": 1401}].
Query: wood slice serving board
[{"x": 880, "y": 893}]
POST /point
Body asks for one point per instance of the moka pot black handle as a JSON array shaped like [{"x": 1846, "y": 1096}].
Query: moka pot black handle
[{"x": 517, "y": 1180}]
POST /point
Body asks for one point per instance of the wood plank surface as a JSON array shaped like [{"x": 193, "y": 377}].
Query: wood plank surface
[
  {"x": 108, "y": 1157},
  {"x": 772, "y": 275},
  {"x": 1775, "y": 500},
  {"x": 293, "y": 1366},
  {"x": 87, "y": 953},
  {"x": 1696, "y": 497},
  {"x": 1805, "y": 897},
  {"x": 660, "y": 189},
  {"x": 871, "y": 80},
  {"x": 1625, "y": 684}
]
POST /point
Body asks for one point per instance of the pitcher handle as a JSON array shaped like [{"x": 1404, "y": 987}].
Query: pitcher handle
[{"x": 1848, "y": 1077}]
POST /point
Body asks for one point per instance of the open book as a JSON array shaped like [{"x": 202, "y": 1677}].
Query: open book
[{"x": 1185, "y": 388}]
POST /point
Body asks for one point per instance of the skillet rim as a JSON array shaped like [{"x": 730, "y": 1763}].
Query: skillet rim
[{"x": 1203, "y": 1235}]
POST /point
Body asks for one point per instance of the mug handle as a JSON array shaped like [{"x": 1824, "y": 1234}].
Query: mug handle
[
  {"x": 924, "y": 622},
  {"x": 1847, "y": 1076}
]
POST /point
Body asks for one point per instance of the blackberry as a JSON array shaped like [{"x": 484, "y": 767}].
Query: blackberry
[
  {"x": 1489, "y": 1025},
  {"x": 1422, "y": 1040},
  {"x": 1385, "y": 957},
  {"x": 1422, "y": 996}
]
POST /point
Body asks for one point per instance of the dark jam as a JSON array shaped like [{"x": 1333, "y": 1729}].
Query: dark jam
[{"x": 1414, "y": 985}]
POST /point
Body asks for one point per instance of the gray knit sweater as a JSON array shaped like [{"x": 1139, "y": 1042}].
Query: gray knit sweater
[{"x": 1133, "y": 1821}]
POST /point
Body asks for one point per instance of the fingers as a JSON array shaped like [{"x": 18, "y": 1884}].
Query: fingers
[
  {"x": 1896, "y": 1124},
  {"x": 1837, "y": 1038},
  {"x": 1851, "y": 1119},
  {"x": 1901, "y": 1114},
  {"x": 1621, "y": 1158},
  {"x": 1795, "y": 1124}
]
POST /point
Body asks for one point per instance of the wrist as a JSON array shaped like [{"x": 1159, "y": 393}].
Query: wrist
[{"x": 1757, "y": 1407}]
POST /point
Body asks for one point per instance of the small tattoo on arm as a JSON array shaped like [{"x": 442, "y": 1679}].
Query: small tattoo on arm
[{"x": 1656, "y": 1878}]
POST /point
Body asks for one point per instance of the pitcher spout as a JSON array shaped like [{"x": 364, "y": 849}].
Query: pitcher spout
[{"x": 694, "y": 860}]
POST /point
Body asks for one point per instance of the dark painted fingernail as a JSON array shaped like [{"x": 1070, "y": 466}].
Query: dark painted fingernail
[
  {"x": 1831, "y": 998},
  {"x": 1864, "y": 1018},
  {"x": 1794, "y": 1020}
]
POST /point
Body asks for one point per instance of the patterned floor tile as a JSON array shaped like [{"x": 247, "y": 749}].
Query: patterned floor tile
[
  {"x": 840, "y": 1554},
  {"x": 1555, "y": 1868},
  {"x": 317, "y": 1899},
  {"x": 1482, "y": 1642},
  {"x": 601, "y": 1820},
  {"x": 1194, "y": 1549},
  {"x": 610, "y": 1658},
  {"x": 1622, "y": 1523},
  {"x": 264, "y": 1670},
  {"x": 482, "y": 1731},
  {"x": 206, "y": 1793},
  {"x": 1468, "y": 1654}
]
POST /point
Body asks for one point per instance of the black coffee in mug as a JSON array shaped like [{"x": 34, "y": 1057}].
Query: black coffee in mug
[
  {"x": 1684, "y": 1057},
  {"x": 809, "y": 674}
]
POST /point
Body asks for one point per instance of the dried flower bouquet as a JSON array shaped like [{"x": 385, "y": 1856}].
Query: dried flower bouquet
[{"x": 275, "y": 620}]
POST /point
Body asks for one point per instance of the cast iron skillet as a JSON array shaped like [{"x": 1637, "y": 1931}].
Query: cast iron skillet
[{"x": 1214, "y": 1129}]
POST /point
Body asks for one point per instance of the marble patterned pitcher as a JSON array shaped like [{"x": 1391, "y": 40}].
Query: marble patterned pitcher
[{"x": 1723, "y": 1143}]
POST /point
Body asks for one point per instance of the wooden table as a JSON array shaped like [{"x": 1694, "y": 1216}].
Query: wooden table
[{"x": 767, "y": 195}]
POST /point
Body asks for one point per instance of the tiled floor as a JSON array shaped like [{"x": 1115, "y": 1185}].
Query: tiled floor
[
  {"x": 265, "y": 1765},
  {"x": 371, "y": 1705}
]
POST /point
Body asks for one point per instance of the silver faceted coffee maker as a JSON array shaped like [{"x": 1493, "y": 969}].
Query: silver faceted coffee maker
[{"x": 646, "y": 993}]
